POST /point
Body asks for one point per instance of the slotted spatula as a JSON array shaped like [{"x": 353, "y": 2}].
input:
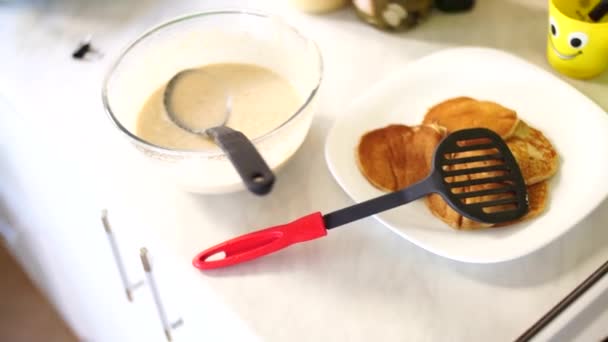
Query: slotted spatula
[{"x": 467, "y": 164}]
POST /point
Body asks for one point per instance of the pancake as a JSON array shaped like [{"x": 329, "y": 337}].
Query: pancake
[
  {"x": 538, "y": 197},
  {"x": 374, "y": 160},
  {"x": 536, "y": 157},
  {"x": 464, "y": 112},
  {"x": 443, "y": 211},
  {"x": 398, "y": 156}
]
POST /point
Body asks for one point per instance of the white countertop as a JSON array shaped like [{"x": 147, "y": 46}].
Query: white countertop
[{"x": 361, "y": 283}]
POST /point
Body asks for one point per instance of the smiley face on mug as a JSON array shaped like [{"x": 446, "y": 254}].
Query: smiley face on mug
[
  {"x": 576, "y": 46},
  {"x": 569, "y": 45}
]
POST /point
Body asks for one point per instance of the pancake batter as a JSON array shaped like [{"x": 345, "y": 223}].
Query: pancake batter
[{"x": 261, "y": 101}]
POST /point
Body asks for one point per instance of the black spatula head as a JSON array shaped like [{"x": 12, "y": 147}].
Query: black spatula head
[{"x": 477, "y": 175}]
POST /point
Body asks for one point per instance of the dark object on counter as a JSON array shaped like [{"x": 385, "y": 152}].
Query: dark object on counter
[
  {"x": 454, "y": 5},
  {"x": 505, "y": 198},
  {"x": 393, "y": 15},
  {"x": 599, "y": 11},
  {"x": 85, "y": 49},
  {"x": 564, "y": 304},
  {"x": 82, "y": 50}
]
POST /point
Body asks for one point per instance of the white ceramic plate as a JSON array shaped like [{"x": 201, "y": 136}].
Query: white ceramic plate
[{"x": 576, "y": 126}]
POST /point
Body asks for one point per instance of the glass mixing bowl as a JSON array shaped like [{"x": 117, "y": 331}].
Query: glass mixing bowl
[{"x": 229, "y": 36}]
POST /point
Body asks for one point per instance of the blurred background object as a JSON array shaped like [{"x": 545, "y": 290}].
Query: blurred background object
[
  {"x": 454, "y": 5},
  {"x": 318, "y": 6},
  {"x": 393, "y": 15},
  {"x": 599, "y": 11}
]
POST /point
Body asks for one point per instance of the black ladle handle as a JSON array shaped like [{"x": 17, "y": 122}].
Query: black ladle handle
[{"x": 246, "y": 159}]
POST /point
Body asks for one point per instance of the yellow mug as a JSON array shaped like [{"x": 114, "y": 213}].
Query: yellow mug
[{"x": 577, "y": 46}]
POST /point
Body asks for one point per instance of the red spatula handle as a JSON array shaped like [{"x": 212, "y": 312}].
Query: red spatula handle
[{"x": 256, "y": 244}]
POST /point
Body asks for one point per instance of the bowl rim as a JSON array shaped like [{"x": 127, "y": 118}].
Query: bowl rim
[{"x": 212, "y": 152}]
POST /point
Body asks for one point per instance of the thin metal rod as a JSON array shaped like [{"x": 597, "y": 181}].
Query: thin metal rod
[
  {"x": 564, "y": 303},
  {"x": 167, "y": 326},
  {"x": 129, "y": 288}
]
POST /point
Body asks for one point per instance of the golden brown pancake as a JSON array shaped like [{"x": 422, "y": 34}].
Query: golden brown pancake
[
  {"x": 465, "y": 112},
  {"x": 538, "y": 197},
  {"x": 397, "y": 156},
  {"x": 374, "y": 160},
  {"x": 536, "y": 157},
  {"x": 443, "y": 211}
]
